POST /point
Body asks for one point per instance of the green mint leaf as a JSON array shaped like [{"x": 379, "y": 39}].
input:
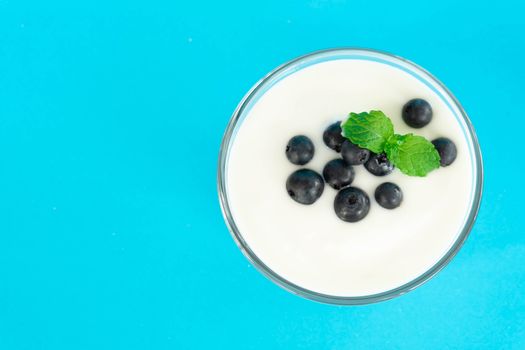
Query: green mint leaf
[
  {"x": 368, "y": 130},
  {"x": 413, "y": 155}
]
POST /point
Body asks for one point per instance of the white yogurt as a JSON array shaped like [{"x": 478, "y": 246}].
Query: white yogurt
[{"x": 309, "y": 245}]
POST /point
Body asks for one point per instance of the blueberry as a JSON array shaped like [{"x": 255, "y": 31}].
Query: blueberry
[
  {"x": 300, "y": 150},
  {"x": 446, "y": 149},
  {"x": 388, "y": 195},
  {"x": 351, "y": 204},
  {"x": 417, "y": 113},
  {"x": 305, "y": 186},
  {"x": 333, "y": 138},
  {"x": 338, "y": 173},
  {"x": 354, "y": 154},
  {"x": 378, "y": 164}
]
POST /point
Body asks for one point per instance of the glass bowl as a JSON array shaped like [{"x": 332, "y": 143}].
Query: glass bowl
[{"x": 334, "y": 54}]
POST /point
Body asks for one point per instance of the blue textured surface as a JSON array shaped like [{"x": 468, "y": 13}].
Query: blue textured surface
[{"x": 111, "y": 116}]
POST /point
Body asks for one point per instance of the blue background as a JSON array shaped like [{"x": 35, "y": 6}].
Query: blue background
[{"x": 111, "y": 116}]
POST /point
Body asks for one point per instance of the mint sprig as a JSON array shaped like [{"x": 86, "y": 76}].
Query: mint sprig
[{"x": 411, "y": 154}]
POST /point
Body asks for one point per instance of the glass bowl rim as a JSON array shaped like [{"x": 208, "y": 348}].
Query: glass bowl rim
[{"x": 326, "y": 298}]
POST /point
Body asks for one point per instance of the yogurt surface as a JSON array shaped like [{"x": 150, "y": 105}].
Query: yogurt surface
[{"x": 309, "y": 245}]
